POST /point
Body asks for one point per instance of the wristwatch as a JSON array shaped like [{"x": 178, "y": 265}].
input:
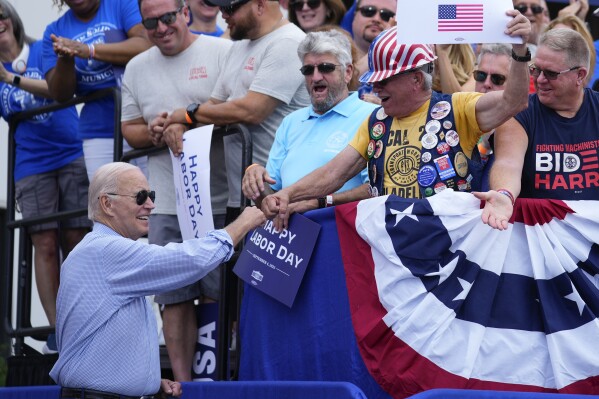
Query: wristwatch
[
  {"x": 322, "y": 202},
  {"x": 16, "y": 80},
  {"x": 525, "y": 58},
  {"x": 190, "y": 116}
]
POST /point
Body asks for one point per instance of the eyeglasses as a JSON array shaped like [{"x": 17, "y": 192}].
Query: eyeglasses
[
  {"x": 141, "y": 197},
  {"x": 3, "y": 17},
  {"x": 231, "y": 9},
  {"x": 168, "y": 19},
  {"x": 325, "y": 67},
  {"x": 549, "y": 75},
  {"x": 536, "y": 9},
  {"x": 370, "y": 11},
  {"x": 299, "y": 5},
  {"x": 496, "y": 79}
]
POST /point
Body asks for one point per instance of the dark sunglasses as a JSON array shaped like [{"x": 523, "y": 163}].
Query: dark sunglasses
[
  {"x": 384, "y": 82},
  {"x": 325, "y": 67},
  {"x": 536, "y": 9},
  {"x": 299, "y": 5},
  {"x": 549, "y": 75},
  {"x": 141, "y": 197},
  {"x": 496, "y": 79},
  {"x": 370, "y": 11},
  {"x": 4, "y": 16},
  {"x": 167, "y": 19},
  {"x": 230, "y": 10}
]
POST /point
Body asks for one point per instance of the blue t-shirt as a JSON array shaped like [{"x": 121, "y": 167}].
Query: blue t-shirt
[
  {"x": 47, "y": 141},
  {"x": 306, "y": 141},
  {"x": 111, "y": 23},
  {"x": 217, "y": 33}
]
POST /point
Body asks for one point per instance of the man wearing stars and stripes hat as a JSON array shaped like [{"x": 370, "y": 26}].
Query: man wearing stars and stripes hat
[{"x": 419, "y": 142}]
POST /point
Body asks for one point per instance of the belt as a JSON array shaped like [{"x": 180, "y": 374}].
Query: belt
[{"x": 83, "y": 393}]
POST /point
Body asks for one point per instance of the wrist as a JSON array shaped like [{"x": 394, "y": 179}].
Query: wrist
[
  {"x": 521, "y": 54},
  {"x": 508, "y": 194}
]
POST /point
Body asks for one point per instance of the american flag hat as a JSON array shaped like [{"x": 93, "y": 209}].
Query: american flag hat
[{"x": 386, "y": 57}]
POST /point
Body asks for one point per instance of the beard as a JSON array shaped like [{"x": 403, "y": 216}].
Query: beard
[
  {"x": 334, "y": 95},
  {"x": 242, "y": 29}
]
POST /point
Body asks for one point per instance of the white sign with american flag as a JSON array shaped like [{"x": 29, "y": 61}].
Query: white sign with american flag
[{"x": 451, "y": 21}]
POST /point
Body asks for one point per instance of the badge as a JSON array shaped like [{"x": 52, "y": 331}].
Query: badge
[
  {"x": 425, "y": 157},
  {"x": 443, "y": 148},
  {"x": 439, "y": 187},
  {"x": 427, "y": 175},
  {"x": 370, "y": 150},
  {"x": 447, "y": 125},
  {"x": 432, "y": 126},
  {"x": 378, "y": 148},
  {"x": 450, "y": 184},
  {"x": 440, "y": 110},
  {"x": 461, "y": 164},
  {"x": 452, "y": 138},
  {"x": 378, "y": 129},
  {"x": 429, "y": 141},
  {"x": 428, "y": 191},
  {"x": 373, "y": 191},
  {"x": 462, "y": 185},
  {"x": 442, "y": 135},
  {"x": 373, "y": 173},
  {"x": 380, "y": 114},
  {"x": 444, "y": 167}
]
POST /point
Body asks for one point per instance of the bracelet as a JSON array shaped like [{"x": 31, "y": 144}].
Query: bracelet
[
  {"x": 508, "y": 194},
  {"x": 92, "y": 51},
  {"x": 329, "y": 200},
  {"x": 522, "y": 58},
  {"x": 189, "y": 121},
  {"x": 249, "y": 167}
]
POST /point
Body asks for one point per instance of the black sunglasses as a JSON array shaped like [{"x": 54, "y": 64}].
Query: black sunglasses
[
  {"x": 549, "y": 75},
  {"x": 325, "y": 67},
  {"x": 167, "y": 19},
  {"x": 231, "y": 9},
  {"x": 4, "y": 16},
  {"x": 384, "y": 82},
  {"x": 536, "y": 9},
  {"x": 299, "y": 5},
  {"x": 496, "y": 79},
  {"x": 141, "y": 197},
  {"x": 370, "y": 11}
]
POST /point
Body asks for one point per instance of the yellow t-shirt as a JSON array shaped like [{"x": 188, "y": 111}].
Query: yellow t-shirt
[{"x": 402, "y": 154}]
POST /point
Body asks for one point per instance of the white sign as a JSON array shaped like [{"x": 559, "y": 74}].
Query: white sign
[
  {"x": 191, "y": 172},
  {"x": 453, "y": 21}
]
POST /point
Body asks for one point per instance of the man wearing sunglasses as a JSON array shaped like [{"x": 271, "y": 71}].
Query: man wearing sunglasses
[
  {"x": 371, "y": 18},
  {"x": 549, "y": 150},
  {"x": 258, "y": 88},
  {"x": 419, "y": 142},
  {"x": 533, "y": 10},
  {"x": 184, "y": 68},
  {"x": 105, "y": 326}
]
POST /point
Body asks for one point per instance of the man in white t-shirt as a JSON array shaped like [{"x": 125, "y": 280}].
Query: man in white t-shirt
[
  {"x": 259, "y": 86},
  {"x": 180, "y": 68}
]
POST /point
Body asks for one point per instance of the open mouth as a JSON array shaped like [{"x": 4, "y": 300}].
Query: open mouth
[
  {"x": 144, "y": 218},
  {"x": 383, "y": 99},
  {"x": 319, "y": 88}
]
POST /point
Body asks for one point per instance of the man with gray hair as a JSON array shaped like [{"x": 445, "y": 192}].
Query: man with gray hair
[
  {"x": 310, "y": 137},
  {"x": 549, "y": 150},
  {"x": 493, "y": 67},
  {"x": 105, "y": 327}
]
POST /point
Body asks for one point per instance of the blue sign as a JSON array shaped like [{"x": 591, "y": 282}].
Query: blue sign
[{"x": 275, "y": 261}]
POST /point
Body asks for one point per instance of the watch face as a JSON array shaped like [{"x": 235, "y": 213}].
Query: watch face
[{"x": 192, "y": 108}]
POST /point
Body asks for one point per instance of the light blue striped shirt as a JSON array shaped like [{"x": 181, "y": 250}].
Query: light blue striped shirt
[{"x": 105, "y": 327}]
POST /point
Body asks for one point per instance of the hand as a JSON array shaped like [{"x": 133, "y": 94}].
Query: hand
[
  {"x": 64, "y": 47},
  {"x": 498, "y": 209},
  {"x": 177, "y": 116},
  {"x": 276, "y": 206},
  {"x": 173, "y": 137},
  {"x": 251, "y": 217},
  {"x": 156, "y": 129},
  {"x": 252, "y": 184},
  {"x": 577, "y": 8},
  {"x": 371, "y": 98},
  {"x": 519, "y": 25},
  {"x": 170, "y": 388},
  {"x": 303, "y": 206}
]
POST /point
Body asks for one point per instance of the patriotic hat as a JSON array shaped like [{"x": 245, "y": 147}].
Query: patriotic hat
[{"x": 386, "y": 57}]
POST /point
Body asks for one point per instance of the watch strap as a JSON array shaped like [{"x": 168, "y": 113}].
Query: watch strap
[
  {"x": 16, "y": 80},
  {"x": 524, "y": 58},
  {"x": 322, "y": 202}
]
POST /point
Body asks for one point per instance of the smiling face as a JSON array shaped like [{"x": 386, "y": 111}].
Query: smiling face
[
  {"x": 170, "y": 39},
  {"x": 8, "y": 42},
  {"x": 327, "y": 89},
  {"x": 498, "y": 64},
  {"x": 365, "y": 29},
  {"x": 309, "y": 18},
  {"x": 242, "y": 24},
  {"x": 200, "y": 10}
]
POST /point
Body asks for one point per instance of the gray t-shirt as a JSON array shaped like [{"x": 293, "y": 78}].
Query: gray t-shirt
[
  {"x": 270, "y": 66},
  {"x": 154, "y": 83}
]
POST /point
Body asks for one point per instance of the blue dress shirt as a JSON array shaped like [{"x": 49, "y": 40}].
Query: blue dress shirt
[{"x": 105, "y": 327}]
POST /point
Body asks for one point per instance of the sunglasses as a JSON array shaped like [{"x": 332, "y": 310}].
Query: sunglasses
[
  {"x": 231, "y": 9},
  {"x": 384, "y": 82},
  {"x": 536, "y": 9},
  {"x": 3, "y": 17},
  {"x": 141, "y": 197},
  {"x": 299, "y": 5},
  {"x": 325, "y": 67},
  {"x": 168, "y": 19},
  {"x": 496, "y": 79},
  {"x": 370, "y": 11},
  {"x": 549, "y": 75}
]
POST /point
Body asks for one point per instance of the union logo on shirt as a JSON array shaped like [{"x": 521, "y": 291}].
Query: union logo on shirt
[
  {"x": 200, "y": 72},
  {"x": 249, "y": 65}
]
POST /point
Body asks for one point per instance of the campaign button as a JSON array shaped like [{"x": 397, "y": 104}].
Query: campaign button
[
  {"x": 428, "y": 191},
  {"x": 439, "y": 187},
  {"x": 426, "y": 157},
  {"x": 452, "y": 138},
  {"x": 444, "y": 167},
  {"x": 429, "y": 141},
  {"x": 427, "y": 175},
  {"x": 378, "y": 148},
  {"x": 447, "y": 125},
  {"x": 461, "y": 164},
  {"x": 370, "y": 149},
  {"x": 443, "y": 148},
  {"x": 380, "y": 114},
  {"x": 462, "y": 185},
  {"x": 378, "y": 129},
  {"x": 432, "y": 126},
  {"x": 440, "y": 110},
  {"x": 373, "y": 191}
]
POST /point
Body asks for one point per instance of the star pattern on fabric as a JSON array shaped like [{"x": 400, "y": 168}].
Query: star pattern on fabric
[
  {"x": 445, "y": 271},
  {"x": 575, "y": 297},
  {"x": 465, "y": 289},
  {"x": 399, "y": 215}
]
